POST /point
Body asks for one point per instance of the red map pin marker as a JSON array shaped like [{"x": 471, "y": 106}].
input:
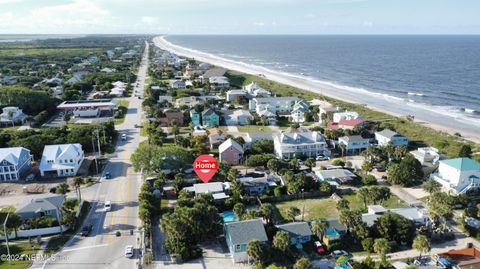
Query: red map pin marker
[{"x": 205, "y": 166}]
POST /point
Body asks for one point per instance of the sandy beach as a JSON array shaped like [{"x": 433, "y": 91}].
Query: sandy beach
[{"x": 430, "y": 116}]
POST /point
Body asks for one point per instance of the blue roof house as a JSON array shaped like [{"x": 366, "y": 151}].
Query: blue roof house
[
  {"x": 299, "y": 232},
  {"x": 460, "y": 175},
  {"x": 14, "y": 162}
]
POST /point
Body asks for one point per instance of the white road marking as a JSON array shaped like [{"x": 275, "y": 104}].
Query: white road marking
[{"x": 87, "y": 247}]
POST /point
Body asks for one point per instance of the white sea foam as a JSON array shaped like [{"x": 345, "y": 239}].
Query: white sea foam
[{"x": 415, "y": 94}]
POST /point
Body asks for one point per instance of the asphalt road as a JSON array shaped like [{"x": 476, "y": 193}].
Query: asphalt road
[{"x": 102, "y": 248}]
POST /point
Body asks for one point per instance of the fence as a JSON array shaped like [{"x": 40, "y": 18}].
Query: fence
[{"x": 35, "y": 232}]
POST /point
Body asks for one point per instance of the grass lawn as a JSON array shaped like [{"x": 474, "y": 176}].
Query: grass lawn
[
  {"x": 50, "y": 51},
  {"x": 122, "y": 106},
  {"x": 253, "y": 128},
  {"x": 18, "y": 249},
  {"x": 393, "y": 202},
  {"x": 314, "y": 208}
]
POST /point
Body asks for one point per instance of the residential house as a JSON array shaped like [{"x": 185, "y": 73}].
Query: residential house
[
  {"x": 271, "y": 118},
  {"x": 61, "y": 160},
  {"x": 14, "y": 162},
  {"x": 427, "y": 156},
  {"x": 239, "y": 233},
  {"x": 388, "y": 136},
  {"x": 295, "y": 144},
  {"x": 165, "y": 98},
  {"x": 465, "y": 258},
  {"x": 460, "y": 175},
  {"x": 12, "y": 114},
  {"x": 171, "y": 118},
  {"x": 216, "y": 189},
  {"x": 281, "y": 105},
  {"x": 324, "y": 108},
  {"x": 254, "y": 90},
  {"x": 77, "y": 77},
  {"x": 53, "y": 81},
  {"x": 418, "y": 216},
  {"x": 298, "y": 111},
  {"x": 8, "y": 80},
  {"x": 346, "y": 120},
  {"x": 354, "y": 144},
  {"x": 347, "y": 115},
  {"x": 230, "y": 152},
  {"x": 335, "y": 176},
  {"x": 177, "y": 84},
  {"x": 218, "y": 82},
  {"x": 238, "y": 117},
  {"x": 299, "y": 232},
  {"x": 254, "y": 186},
  {"x": 43, "y": 205},
  {"x": 257, "y": 136},
  {"x": 216, "y": 139},
  {"x": 235, "y": 95},
  {"x": 334, "y": 232},
  {"x": 190, "y": 101},
  {"x": 196, "y": 118},
  {"x": 210, "y": 118}
]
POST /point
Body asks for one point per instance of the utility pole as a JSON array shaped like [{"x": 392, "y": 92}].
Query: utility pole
[
  {"x": 93, "y": 147},
  {"x": 6, "y": 239},
  {"x": 98, "y": 142}
]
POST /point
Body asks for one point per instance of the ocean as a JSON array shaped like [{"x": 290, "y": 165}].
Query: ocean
[{"x": 439, "y": 72}]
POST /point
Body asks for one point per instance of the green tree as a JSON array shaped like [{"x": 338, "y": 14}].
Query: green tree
[
  {"x": 421, "y": 244},
  {"x": 267, "y": 211},
  {"x": 465, "y": 151},
  {"x": 292, "y": 213},
  {"x": 302, "y": 263},
  {"x": 319, "y": 227},
  {"x": 367, "y": 244},
  {"x": 431, "y": 186},
  {"x": 77, "y": 182},
  {"x": 343, "y": 204},
  {"x": 406, "y": 173},
  {"x": 310, "y": 163},
  {"x": 14, "y": 222},
  {"x": 62, "y": 188},
  {"x": 381, "y": 247},
  {"x": 367, "y": 167},
  {"x": 273, "y": 165},
  {"x": 239, "y": 209},
  {"x": 395, "y": 227},
  {"x": 281, "y": 241},
  {"x": 257, "y": 251}
]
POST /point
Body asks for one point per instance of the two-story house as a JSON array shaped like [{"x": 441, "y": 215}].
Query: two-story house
[
  {"x": 354, "y": 144},
  {"x": 299, "y": 232},
  {"x": 254, "y": 186},
  {"x": 230, "y": 152},
  {"x": 276, "y": 105},
  {"x": 61, "y": 160},
  {"x": 11, "y": 114},
  {"x": 288, "y": 145},
  {"x": 210, "y": 118},
  {"x": 388, "y": 136},
  {"x": 298, "y": 111},
  {"x": 195, "y": 117},
  {"x": 218, "y": 82},
  {"x": 459, "y": 175},
  {"x": 14, "y": 162},
  {"x": 239, "y": 233}
]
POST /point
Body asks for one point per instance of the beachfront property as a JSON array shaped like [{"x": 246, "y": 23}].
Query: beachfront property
[
  {"x": 230, "y": 152},
  {"x": 210, "y": 118},
  {"x": 88, "y": 108},
  {"x": 335, "y": 177},
  {"x": 235, "y": 95},
  {"x": 299, "y": 232},
  {"x": 239, "y": 233},
  {"x": 324, "y": 108},
  {"x": 254, "y": 90},
  {"x": 387, "y": 136},
  {"x": 460, "y": 175},
  {"x": 427, "y": 156},
  {"x": 298, "y": 111},
  {"x": 237, "y": 117},
  {"x": 61, "y": 160},
  {"x": 346, "y": 120},
  {"x": 280, "y": 105},
  {"x": 14, "y": 163},
  {"x": 12, "y": 114},
  {"x": 354, "y": 144},
  {"x": 41, "y": 206},
  {"x": 218, "y": 82},
  {"x": 288, "y": 145}
]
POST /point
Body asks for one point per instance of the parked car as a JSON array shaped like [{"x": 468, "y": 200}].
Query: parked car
[
  {"x": 86, "y": 230},
  {"x": 319, "y": 247},
  {"x": 339, "y": 253},
  {"x": 129, "y": 251},
  {"x": 380, "y": 168},
  {"x": 53, "y": 190},
  {"x": 124, "y": 137},
  {"x": 108, "y": 206},
  {"x": 322, "y": 158}
]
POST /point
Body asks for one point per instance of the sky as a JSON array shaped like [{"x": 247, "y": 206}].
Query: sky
[{"x": 239, "y": 17}]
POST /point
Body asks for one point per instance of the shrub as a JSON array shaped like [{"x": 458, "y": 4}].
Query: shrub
[
  {"x": 338, "y": 162},
  {"x": 369, "y": 180}
]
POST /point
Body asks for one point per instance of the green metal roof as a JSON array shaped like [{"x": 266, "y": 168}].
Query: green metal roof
[{"x": 462, "y": 164}]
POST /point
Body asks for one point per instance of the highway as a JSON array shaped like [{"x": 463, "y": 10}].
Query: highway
[{"x": 103, "y": 248}]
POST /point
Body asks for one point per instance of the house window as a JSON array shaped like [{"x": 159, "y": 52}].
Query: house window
[
  {"x": 14, "y": 177},
  {"x": 71, "y": 160},
  {"x": 238, "y": 247},
  {"x": 1, "y": 169},
  {"x": 12, "y": 168}
]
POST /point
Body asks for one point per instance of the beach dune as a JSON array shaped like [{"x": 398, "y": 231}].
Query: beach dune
[{"x": 429, "y": 115}]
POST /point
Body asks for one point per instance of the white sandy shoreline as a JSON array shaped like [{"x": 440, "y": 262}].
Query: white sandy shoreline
[{"x": 470, "y": 130}]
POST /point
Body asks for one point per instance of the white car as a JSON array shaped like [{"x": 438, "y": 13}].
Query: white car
[
  {"x": 108, "y": 206},
  {"x": 338, "y": 253},
  {"x": 129, "y": 251},
  {"x": 124, "y": 136}
]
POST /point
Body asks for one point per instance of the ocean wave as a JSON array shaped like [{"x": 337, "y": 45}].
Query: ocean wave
[{"x": 415, "y": 93}]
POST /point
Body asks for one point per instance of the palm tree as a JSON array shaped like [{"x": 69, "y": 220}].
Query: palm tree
[
  {"x": 292, "y": 213},
  {"x": 319, "y": 227},
  {"x": 342, "y": 204},
  {"x": 310, "y": 163},
  {"x": 281, "y": 241},
  {"x": 77, "y": 182},
  {"x": 381, "y": 247},
  {"x": 239, "y": 209},
  {"x": 256, "y": 251},
  {"x": 421, "y": 244},
  {"x": 62, "y": 188},
  {"x": 267, "y": 210},
  {"x": 302, "y": 263},
  {"x": 367, "y": 167},
  {"x": 431, "y": 186},
  {"x": 342, "y": 148}
]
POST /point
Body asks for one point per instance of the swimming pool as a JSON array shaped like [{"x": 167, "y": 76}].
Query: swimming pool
[{"x": 229, "y": 216}]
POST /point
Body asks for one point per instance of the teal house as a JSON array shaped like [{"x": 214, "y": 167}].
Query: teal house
[
  {"x": 299, "y": 232},
  {"x": 210, "y": 118},
  {"x": 195, "y": 117},
  {"x": 239, "y": 233}
]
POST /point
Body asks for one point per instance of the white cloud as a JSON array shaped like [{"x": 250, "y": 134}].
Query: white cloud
[
  {"x": 310, "y": 16},
  {"x": 149, "y": 20},
  {"x": 259, "y": 23},
  {"x": 367, "y": 24},
  {"x": 9, "y": 1}
]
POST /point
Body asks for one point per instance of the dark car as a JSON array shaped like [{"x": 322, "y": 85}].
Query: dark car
[
  {"x": 107, "y": 175},
  {"x": 86, "y": 230},
  {"x": 380, "y": 168},
  {"x": 53, "y": 190}
]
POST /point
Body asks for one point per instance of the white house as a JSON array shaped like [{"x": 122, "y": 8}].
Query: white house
[
  {"x": 426, "y": 155},
  {"x": 61, "y": 160},
  {"x": 177, "y": 84},
  {"x": 233, "y": 95},
  {"x": 388, "y": 136},
  {"x": 254, "y": 90},
  {"x": 459, "y": 175},
  {"x": 354, "y": 144},
  {"x": 282, "y": 105},
  {"x": 298, "y": 111},
  {"x": 238, "y": 117},
  {"x": 14, "y": 162},
  {"x": 291, "y": 144},
  {"x": 218, "y": 82},
  {"x": 11, "y": 114},
  {"x": 216, "y": 189},
  {"x": 347, "y": 115},
  {"x": 166, "y": 98}
]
